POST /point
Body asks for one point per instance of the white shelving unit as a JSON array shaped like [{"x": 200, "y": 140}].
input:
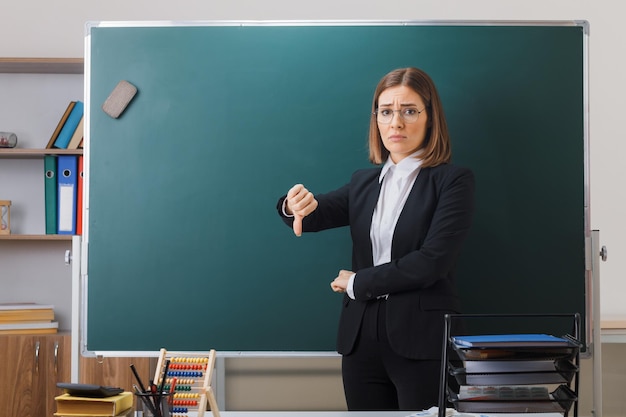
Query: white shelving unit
[{"x": 35, "y": 93}]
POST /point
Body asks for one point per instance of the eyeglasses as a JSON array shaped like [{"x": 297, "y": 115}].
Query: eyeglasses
[{"x": 408, "y": 114}]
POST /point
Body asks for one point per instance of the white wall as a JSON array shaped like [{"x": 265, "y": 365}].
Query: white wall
[{"x": 35, "y": 28}]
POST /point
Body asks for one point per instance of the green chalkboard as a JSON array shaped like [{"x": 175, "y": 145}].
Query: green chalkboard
[{"x": 185, "y": 249}]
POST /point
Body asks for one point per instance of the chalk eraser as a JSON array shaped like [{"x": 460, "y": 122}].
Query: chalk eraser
[{"x": 119, "y": 98}]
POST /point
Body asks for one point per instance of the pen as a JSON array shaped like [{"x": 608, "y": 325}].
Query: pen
[
  {"x": 132, "y": 367},
  {"x": 153, "y": 396},
  {"x": 172, "y": 391},
  {"x": 167, "y": 367}
]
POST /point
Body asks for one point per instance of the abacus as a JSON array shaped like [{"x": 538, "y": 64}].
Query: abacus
[{"x": 188, "y": 377}]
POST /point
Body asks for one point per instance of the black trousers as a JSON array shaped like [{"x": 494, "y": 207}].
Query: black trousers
[{"x": 376, "y": 378}]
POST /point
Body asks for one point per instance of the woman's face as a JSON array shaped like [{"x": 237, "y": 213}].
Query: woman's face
[{"x": 402, "y": 138}]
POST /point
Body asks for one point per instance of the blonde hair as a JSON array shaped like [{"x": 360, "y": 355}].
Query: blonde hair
[{"x": 436, "y": 148}]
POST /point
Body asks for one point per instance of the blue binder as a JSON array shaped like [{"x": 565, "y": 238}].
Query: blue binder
[
  {"x": 67, "y": 175},
  {"x": 510, "y": 340}
]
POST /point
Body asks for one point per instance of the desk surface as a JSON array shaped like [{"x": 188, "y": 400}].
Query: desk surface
[
  {"x": 330, "y": 414},
  {"x": 315, "y": 413},
  {"x": 361, "y": 414}
]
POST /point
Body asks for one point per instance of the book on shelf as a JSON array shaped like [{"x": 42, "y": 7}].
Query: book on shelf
[
  {"x": 62, "y": 121},
  {"x": 25, "y": 312},
  {"x": 77, "y": 137},
  {"x": 92, "y": 406},
  {"x": 510, "y": 340},
  {"x": 69, "y": 127},
  {"x": 43, "y": 327}
]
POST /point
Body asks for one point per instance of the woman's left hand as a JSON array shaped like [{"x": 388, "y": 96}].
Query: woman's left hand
[{"x": 340, "y": 284}]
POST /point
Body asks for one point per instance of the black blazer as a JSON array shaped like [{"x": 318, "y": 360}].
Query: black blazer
[{"x": 427, "y": 241}]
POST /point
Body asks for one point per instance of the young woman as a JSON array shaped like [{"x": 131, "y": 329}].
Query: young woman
[{"x": 408, "y": 218}]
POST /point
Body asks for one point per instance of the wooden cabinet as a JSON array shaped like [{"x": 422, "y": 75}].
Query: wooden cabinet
[
  {"x": 30, "y": 367},
  {"x": 56, "y": 364}
]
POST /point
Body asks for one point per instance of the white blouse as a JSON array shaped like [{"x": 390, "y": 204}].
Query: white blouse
[{"x": 397, "y": 182}]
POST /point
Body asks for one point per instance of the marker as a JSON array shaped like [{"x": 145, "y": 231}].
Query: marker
[
  {"x": 153, "y": 392},
  {"x": 170, "y": 400},
  {"x": 132, "y": 367},
  {"x": 167, "y": 366}
]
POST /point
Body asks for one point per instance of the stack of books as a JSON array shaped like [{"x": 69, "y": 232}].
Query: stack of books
[
  {"x": 27, "y": 318},
  {"x": 69, "y": 131},
  {"x": 120, "y": 405}
]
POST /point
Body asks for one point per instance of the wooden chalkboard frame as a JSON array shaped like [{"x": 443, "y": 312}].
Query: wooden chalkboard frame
[{"x": 131, "y": 307}]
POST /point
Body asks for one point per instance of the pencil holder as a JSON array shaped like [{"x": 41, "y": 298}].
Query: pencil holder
[
  {"x": 149, "y": 404},
  {"x": 5, "y": 217}
]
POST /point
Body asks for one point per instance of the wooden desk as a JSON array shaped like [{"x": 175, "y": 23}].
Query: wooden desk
[
  {"x": 314, "y": 413},
  {"x": 359, "y": 414}
]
